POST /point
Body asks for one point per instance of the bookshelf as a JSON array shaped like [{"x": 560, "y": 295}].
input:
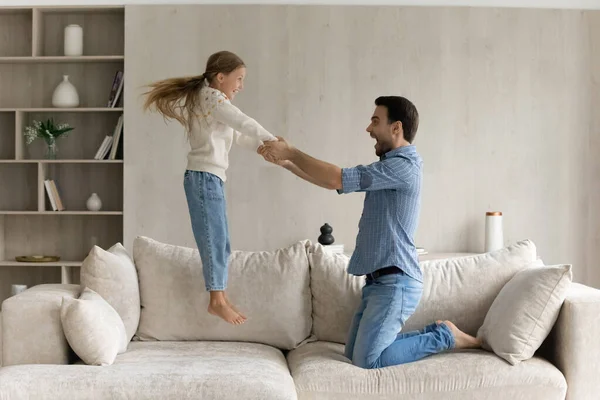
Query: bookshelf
[{"x": 32, "y": 64}]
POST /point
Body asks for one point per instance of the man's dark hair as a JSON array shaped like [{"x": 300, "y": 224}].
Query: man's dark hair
[{"x": 401, "y": 109}]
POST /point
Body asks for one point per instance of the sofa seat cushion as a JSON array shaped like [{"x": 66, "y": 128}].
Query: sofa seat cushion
[
  {"x": 321, "y": 371},
  {"x": 160, "y": 370}
]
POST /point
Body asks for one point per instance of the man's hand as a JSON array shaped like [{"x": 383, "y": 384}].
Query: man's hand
[{"x": 277, "y": 150}]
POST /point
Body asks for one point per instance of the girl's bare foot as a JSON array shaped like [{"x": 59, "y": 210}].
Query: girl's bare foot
[
  {"x": 461, "y": 339},
  {"x": 234, "y": 308},
  {"x": 220, "y": 307},
  {"x": 224, "y": 311}
]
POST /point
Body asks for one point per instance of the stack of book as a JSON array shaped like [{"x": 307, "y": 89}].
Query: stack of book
[
  {"x": 334, "y": 248},
  {"x": 111, "y": 143},
  {"x": 53, "y": 195}
]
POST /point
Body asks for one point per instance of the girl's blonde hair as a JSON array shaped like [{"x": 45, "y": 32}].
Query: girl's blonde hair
[{"x": 177, "y": 98}]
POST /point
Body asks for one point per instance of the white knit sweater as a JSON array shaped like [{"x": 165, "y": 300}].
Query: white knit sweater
[{"x": 213, "y": 132}]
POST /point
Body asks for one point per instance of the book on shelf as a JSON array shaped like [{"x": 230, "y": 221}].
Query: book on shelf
[
  {"x": 53, "y": 195},
  {"x": 421, "y": 251},
  {"x": 111, "y": 143},
  {"x": 334, "y": 248},
  {"x": 116, "y": 89}
]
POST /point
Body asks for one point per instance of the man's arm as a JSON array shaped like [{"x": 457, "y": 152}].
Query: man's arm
[
  {"x": 293, "y": 168},
  {"x": 321, "y": 173}
]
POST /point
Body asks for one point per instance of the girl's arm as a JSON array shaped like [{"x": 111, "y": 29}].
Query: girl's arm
[{"x": 225, "y": 112}]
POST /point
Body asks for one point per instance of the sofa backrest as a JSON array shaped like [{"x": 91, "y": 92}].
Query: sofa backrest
[
  {"x": 270, "y": 288},
  {"x": 459, "y": 289}
]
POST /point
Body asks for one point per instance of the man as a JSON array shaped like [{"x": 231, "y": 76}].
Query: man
[{"x": 385, "y": 250}]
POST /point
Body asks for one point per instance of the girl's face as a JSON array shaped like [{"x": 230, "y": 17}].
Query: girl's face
[{"x": 231, "y": 83}]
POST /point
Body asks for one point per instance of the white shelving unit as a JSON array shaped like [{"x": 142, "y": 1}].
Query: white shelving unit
[{"x": 32, "y": 64}]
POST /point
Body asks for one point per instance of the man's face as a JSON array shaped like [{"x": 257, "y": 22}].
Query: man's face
[{"x": 381, "y": 130}]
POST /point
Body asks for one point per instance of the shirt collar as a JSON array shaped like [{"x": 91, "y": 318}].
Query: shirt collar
[{"x": 398, "y": 151}]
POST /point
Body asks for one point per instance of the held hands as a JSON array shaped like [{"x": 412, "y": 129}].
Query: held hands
[{"x": 277, "y": 152}]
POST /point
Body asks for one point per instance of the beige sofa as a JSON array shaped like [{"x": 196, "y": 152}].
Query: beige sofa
[{"x": 299, "y": 301}]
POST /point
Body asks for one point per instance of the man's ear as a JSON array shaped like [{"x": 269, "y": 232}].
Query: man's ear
[{"x": 397, "y": 128}]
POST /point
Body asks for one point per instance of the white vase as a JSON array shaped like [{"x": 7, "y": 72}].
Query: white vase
[
  {"x": 65, "y": 95},
  {"x": 494, "y": 237},
  {"x": 73, "y": 41},
  {"x": 94, "y": 203}
]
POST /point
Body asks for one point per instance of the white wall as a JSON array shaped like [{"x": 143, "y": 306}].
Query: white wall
[{"x": 507, "y": 101}]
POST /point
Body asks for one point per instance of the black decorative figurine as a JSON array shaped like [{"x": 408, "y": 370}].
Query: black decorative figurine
[{"x": 326, "y": 238}]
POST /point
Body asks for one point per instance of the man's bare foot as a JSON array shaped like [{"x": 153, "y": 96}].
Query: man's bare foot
[
  {"x": 461, "y": 339},
  {"x": 223, "y": 310}
]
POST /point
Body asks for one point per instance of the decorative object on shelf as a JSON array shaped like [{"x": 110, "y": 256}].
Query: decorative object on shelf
[
  {"x": 65, "y": 95},
  {"x": 421, "y": 251},
  {"x": 40, "y": 259},
  {"x": 326, "y": 238},
  {"x": 16, "y": 289},
  {"x": 494, "y": 238},
  {"x": 48, "y": 131},
  {"x": 94, "y": 203},
  {"x": 73, "y": 41}
]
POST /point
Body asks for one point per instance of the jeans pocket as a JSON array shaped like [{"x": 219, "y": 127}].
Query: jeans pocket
[{"x": 213, "y": 188}]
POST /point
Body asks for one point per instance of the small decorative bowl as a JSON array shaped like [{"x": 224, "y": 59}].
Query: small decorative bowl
[{"x": 40, "y": 259}]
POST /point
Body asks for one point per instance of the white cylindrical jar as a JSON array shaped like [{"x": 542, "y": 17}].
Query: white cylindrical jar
[
  {"x": 494, "y": 237},
  {"x": 73, "y": 41}
]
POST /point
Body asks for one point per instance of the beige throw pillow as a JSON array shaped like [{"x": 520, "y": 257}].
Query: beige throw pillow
[
  {"x": 270, "y": 287},
  {"x": 113, "y": 276},
  {"x": 459, "y": 289},
  {"x": 93, "y": 328},
  {"x": 525, "y": 311}
]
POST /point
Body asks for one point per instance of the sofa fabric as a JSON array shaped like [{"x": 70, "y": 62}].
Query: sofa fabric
[
  {"x": 161, "y": 371},
  {"x": 321, "y": 372}
]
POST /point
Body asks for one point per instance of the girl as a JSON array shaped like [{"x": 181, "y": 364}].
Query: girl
[{"x": 202, "y": 104}]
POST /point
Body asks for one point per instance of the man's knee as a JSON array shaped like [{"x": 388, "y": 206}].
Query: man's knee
[{"x": 365, "y": 362}]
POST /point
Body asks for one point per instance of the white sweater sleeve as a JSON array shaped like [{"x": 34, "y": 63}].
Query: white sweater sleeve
[
  {"x": 246, "y": 141},
  {"x": 223, "y": 111}
]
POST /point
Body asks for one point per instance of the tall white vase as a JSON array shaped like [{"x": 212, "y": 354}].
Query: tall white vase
[
  {"x": 494, "y": 237},
  {"x": 65, "y": 95},
  {"x": 73, "y": 40}
]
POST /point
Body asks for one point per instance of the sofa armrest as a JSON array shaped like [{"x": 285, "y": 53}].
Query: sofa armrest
[
  {"x": 574, "y": 345},
  {"x": 31, "y": 328}
]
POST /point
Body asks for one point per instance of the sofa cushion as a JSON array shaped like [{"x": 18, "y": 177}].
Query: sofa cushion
[
  {"x": 112, "y": 275},
  {"x": 321, "y": 371},
  {"x": 459, "y": 289},
  {"x": 270, "y": 288},
  {"x": 161, "y": 371},
  {"x": 525, "y": 311},
  {"x": 93, "y": 328}
]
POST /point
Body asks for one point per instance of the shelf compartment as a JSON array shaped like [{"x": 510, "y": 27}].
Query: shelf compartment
[
  {"x": 81, "y": 143},
  {"x": 19, "y": 183},
  {"x": 32, "y": 85},
  {"x": 15, "y": 32},
  {"x": 77, "y": 182},
  {"x": 103, "y": 30},
  {"x": 7, "y": 135},
  {"x": 69, "y": 236}
]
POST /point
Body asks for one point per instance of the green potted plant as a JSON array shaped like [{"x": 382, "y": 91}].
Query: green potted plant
[{"x": 49, "y": 132}]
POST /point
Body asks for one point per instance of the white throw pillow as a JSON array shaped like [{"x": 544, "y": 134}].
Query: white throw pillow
[
  {"x": 113, "y": 276},
  {"x": 270, "y": 287},
  {"x": 94, "y": 330},
  {"x": 525, "y": 311},
  {"x": 459, "y": 289}
]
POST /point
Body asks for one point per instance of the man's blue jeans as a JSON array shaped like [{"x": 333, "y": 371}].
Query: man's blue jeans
[
  {"x": 374, "y": 339},
  {"x": 208, "y": 213}
]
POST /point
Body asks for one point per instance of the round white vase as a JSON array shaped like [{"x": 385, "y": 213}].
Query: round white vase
[
  {"x": 65, "y": 95},
  {"x": 73, "y": 41},
  {"x": 94, "y": 203},
  {"x": 494, "y": 237}
]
